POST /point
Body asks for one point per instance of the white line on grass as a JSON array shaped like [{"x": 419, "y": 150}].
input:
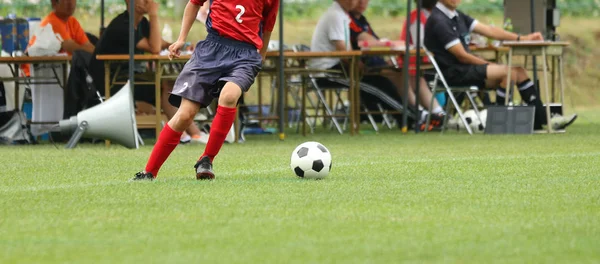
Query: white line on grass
[{"x": 340, "y": 164}]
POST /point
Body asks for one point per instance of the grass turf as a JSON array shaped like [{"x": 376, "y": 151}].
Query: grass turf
[{"x": 389, "y": 198}]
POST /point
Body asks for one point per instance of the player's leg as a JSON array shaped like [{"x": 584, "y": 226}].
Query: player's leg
[
  {"x": 189, "y": 93},
  {"x": 224, "y": 118},
  {"x": 193, "y": 131},
  {"x": 169, "y": 139}
]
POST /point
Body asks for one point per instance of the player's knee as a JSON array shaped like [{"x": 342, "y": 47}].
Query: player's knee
[
  {"x": 228, "y": 98},
  {"x": 521, "y": 72},
  {"x": 515, "y": 74},
  {"x": 185, "y": 118}
]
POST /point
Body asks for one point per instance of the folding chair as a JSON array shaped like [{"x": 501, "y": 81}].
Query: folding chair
[
  {"x": 319, "y": 85},
  {"x": 337, "y": 84},
  {"x": 450, "y": 90}
]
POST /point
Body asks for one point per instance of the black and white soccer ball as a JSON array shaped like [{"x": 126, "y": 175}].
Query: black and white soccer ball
[
  {"x": 311, "y": 160},
  {"x": 472, "y": 121}
]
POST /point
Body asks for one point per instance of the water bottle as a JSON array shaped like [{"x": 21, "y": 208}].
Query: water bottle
[
  {"x": 167, "y": 33},
  {"x": 8, "y": 30},
  {"x": 22, "y": 34}
]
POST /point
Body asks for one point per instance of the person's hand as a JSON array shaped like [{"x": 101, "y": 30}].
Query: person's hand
[
  {"x": 152, "y": 7},
  {"x": 533, "y": 37},
  {"x": 175, "y": 49}
]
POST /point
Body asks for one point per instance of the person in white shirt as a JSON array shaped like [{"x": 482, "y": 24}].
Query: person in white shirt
[{"x": 332, "y": 33}]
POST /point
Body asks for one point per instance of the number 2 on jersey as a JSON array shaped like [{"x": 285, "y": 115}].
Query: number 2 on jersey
[{"x": 242, "y": 9}]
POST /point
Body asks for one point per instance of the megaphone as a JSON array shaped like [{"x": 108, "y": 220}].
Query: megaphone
[{"x": 113, "y": 119}]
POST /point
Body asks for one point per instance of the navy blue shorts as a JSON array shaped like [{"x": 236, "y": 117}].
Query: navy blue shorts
[{"x": 216, "y": 61}]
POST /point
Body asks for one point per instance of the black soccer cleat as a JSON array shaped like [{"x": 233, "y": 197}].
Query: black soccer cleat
[
  {"x": 141, "y": 176},
  {"x": 204, "y": 169}
]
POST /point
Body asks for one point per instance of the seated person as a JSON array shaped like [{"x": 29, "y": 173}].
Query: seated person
[
  {"x": 361, "y": 31},
  {"x": 115, "y": 40},
  {"x": 331, "y": 34},
  {"x": 447, "y": 34},
  {"x": 64, "y": 24}
]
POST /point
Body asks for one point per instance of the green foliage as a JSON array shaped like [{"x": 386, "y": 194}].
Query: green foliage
[{"x": 294, "y": 8}]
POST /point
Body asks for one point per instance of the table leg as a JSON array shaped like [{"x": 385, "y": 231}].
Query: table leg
[
  {"x": 352, "y": 94},
  {"x": 65, "y": 76},
  {"x": 106, "y": 89},
  {"x": 303, "y": 106},
  {"x": 553, "y": 80},
  {"x": 157, "y": 95},
  {"x": 508, "y": 80},
  {"x": 561, "y": 77},
  {"x": 546, "y": 88},
  {"x": 16, "y": 74}
]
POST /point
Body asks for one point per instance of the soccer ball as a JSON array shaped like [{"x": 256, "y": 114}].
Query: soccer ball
[
  {"x": 472, "y": 120},
  {"x": 311, "y": 160},
  {"x": 481, "y": 126}
]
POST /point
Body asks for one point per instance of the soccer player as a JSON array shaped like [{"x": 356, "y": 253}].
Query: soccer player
[
  {"x": 223, "y": 66},
  {"x": 115, "y": 40}
]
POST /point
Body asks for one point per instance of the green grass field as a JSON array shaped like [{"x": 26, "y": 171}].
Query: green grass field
[{"x": 389, "y": 198}]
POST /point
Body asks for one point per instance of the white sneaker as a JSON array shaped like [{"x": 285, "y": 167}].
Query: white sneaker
[
  {"x": 231, "y": 135},
  {"x": 185, "y": 139},
  {"x": 560, "y": 122},
  {"x": 203, "y": 138},
  {"x": 200, "y": 117}
]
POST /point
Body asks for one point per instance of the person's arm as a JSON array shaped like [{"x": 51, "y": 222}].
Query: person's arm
[
  {"x": 189, "y": 15},
  {"x": 265, "y": 39},
  {"x": 501, "y": 34},
  {"x": 72, "y": 40},
  {"x": 340, "y": 45},
  {"x": 464, "y": 57},
  {"x": 445, "y": 33},
  {"x": 164, "y": 44},
  {"x": 70, "y": 46},
  {"x": 270, "y": 15},
  {"x": 155, "y": 39},
  {"x": 366, "y": 37}
]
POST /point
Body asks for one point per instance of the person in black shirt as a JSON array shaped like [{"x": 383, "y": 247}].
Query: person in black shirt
[
  {"x": 115, "y": 40},
  {"x": 360, "y": 31},
  {"x": 447, "y": 36}
]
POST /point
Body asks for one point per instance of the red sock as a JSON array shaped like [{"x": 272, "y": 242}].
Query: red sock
[
  {"x": 218, "y": 131},
  {"x": 167, "y": 141}
]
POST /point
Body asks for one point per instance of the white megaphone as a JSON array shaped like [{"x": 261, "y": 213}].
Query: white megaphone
[{"x": 113, "y": 119}]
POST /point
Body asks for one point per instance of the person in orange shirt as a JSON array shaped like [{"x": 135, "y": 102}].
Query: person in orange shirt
[{"x": 64, "y": 24}]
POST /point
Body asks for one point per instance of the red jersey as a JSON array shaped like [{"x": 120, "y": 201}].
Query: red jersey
[
  {"x": 243, "y": 20},
  {"x": 413, "y": 35}
]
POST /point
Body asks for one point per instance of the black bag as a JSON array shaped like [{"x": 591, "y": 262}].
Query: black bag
[{"x": 81, "y": 93}]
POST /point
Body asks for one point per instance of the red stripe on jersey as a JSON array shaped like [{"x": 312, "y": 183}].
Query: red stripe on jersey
[
  {"x": 354, "y": 27},
  {"x": 413, "y": 59}
]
